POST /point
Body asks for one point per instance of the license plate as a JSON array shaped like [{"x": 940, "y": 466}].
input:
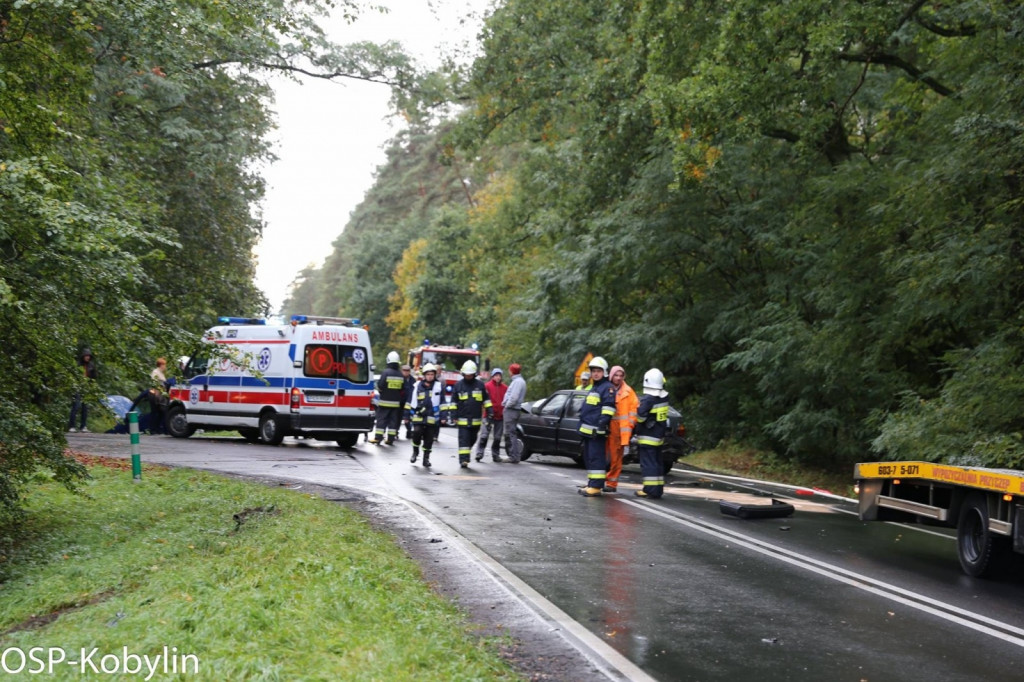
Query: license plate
[{"x": 319, "y": 397}]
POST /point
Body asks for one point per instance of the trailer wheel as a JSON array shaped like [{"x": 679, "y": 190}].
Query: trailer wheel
[
  {"x": 270, "y": 432},
  {"x": 177, "y": 423},
  {"x": 981, "y": 553}
]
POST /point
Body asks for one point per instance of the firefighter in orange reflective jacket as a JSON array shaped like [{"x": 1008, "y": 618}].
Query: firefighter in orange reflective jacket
[{"x": 621, "y": 427}]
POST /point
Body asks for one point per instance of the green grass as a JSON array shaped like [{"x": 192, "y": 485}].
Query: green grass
[
  {"x": 736, "y": 460},
  {"x": 301, "y": 589}
]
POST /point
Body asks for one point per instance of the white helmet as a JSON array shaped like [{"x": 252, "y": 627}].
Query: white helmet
[
  {"x": 654, "y": 383},
  {"x": 393, "y": 357},
  {"x": 183, "y": 362},
  {"x": 469, "y": 367},
  {"x": 600, "y": 363},
  {"x": 429, "y": 367}
]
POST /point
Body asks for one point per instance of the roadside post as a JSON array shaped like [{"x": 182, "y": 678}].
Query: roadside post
[{"x": 133, "y": 429}]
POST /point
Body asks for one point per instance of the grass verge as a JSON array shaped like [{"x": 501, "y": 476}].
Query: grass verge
[
  {"x": 256, "y": 583},
  {"x": 736, "y": 460}
]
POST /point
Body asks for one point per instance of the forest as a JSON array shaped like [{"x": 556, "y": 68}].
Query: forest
[{"x": 807, "y": 214}]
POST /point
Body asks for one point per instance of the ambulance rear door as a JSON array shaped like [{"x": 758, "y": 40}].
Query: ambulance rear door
[{"x": 334, "y": 382}]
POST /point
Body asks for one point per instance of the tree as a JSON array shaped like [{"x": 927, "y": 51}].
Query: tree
[{"x": 128, "y": 203}]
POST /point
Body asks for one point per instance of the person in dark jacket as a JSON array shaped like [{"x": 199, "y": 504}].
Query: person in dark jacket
[
  {"x": 471, "y": 402},
  {"x": 390, "y": 388},
  {"x": 595, "y": 415},
  {"x": 651, "y": 427},
  {"x": 426, "y": 410},
  {"x": 87, "y": 365}
]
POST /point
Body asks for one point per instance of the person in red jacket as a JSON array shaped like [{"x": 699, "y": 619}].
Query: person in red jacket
[{"x": 494, "y": 421}]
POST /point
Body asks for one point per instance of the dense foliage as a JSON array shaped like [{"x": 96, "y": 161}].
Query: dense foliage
[
  {"x": 808, "y": 214},
  {"x": 130, "y": 135}
]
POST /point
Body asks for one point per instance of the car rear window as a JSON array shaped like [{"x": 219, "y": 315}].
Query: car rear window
[{"x": 575, "y": 404}]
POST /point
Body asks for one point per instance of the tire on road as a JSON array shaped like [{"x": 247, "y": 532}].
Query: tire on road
[
  {"x": 348, "y": 440},
  {"x": 270, "y": 431},
  {"x": 177, "y": 423},
  {"x": 249, "y": 434},
  {"x": 981, "y": 553}
]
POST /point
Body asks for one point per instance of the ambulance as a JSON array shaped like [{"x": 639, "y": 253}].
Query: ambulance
[{"x": 312, "y": 378}]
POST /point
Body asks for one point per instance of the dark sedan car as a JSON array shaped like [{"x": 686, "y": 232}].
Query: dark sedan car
[{"x": 548, "y": 427}]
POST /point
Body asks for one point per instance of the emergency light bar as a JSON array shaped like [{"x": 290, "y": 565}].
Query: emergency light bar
[
  {"x": 241, "y": 320},
  {"x": 317, "y": 319}
]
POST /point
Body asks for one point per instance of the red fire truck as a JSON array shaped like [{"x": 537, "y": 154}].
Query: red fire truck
[{"x": 449, "y": 359}]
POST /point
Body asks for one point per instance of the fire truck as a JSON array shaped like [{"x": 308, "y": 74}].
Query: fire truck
[
  {"x": 986, "y": 506},
  {"x": 448, "y": 359}
]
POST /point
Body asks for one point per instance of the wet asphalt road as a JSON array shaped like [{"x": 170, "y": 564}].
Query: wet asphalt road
[{"x": 681, "y": 590}]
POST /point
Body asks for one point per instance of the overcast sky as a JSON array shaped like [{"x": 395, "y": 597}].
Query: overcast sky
[{"x": 331, "y": 138}]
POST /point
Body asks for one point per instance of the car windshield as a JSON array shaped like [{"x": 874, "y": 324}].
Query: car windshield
[{"x": 451, "y": 362}]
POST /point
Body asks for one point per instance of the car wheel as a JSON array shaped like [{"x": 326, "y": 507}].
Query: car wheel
[
  {"x": 667, "y": 462},
  {"x": 177, "y": 423},
  {"x": 981, "y": 553},
  {"x": 270, "y": 432},
  {"x": 578, "y": 457},
  {"x": 250, "y": 434},
  {"x": 525, "y": 453},
  {"x": 348, "y": 440}
]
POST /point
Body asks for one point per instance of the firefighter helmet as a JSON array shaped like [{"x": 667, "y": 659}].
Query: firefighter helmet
[
  {"x": 469, "y": 367},
  {"x": 430, "y": 367},
  {"x": 654, "y": 383},
  {"x": 393, "y": 358},
  {"x": 599, "y": 363}
]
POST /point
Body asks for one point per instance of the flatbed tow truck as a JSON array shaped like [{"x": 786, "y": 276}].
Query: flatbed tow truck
[{"x": 986, "y": 506}]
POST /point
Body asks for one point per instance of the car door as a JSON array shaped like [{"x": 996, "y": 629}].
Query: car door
[{"x": 544, "y": 429}]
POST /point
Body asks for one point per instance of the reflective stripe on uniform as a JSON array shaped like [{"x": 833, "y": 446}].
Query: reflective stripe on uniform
[
  {"x": 388, "y": 403},
  {"x": 653, "y": 480},
  {"x": 647, "y": 440}
]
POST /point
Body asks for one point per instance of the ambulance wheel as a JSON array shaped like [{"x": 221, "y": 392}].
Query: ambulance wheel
[
  {"x": 981, "y": 553},
  {"x": 348, "y": 440},
  {"x": 177, "y": 423},
  {"x": 270, "y": 432},
  {"x": 250, "y": 434}
]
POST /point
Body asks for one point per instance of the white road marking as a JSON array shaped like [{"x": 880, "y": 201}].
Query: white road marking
[{"x": 953, "y": 614}]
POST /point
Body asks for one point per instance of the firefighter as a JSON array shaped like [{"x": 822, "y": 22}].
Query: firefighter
[
  {"x": 426, "y": 406},
  {"x": 651, "y": 427},
  {"x": 595, "y": 415},
  {"x": 621, "y": 427},
  {"x": 389, "y": 405},
  {"x": 471, "y": 402}
]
